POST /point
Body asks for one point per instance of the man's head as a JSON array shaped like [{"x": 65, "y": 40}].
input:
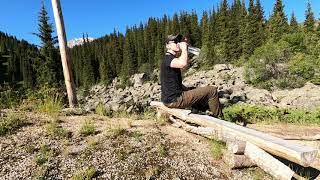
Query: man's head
[{"x": 172, "y": 42}]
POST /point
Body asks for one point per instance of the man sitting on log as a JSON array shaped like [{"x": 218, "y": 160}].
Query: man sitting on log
[{"x": 173, "y": 93}]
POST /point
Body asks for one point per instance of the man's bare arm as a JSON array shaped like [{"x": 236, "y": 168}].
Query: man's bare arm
[{"x": 181, "y": 61}]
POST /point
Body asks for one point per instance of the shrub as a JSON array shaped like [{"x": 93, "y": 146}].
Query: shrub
[
  {"x": 262, "y": 65},
  {"x": 302, "y": 66},
  {"x": 296, "y": 42},
  {"x": 249, "y": 113}
]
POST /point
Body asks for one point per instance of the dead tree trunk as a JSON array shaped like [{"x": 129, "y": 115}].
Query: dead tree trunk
[{"x": 65, "y": 56}]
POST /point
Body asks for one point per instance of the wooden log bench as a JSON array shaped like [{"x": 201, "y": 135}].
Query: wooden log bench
[{"x": 237, "y": 139}]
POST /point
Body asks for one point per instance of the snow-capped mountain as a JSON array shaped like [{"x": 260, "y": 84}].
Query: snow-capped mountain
[{"x": 78, "y": 41}]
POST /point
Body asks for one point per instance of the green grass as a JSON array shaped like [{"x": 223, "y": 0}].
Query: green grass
[
  {"x": 88, "y": 128},
  {"x": 216, "y": 149},
  {"x": 11, "y": 122},
  {"x": 162, "y": 150},
  {"x": 9, "y": 97},
  {"x": 101, "y": 110},
  {"x": 148, "y": 113},
  {"x": 86, "y": 174},
  {"x": 263, "y": 114},
  {"x": 44, "y": 155},
  {"x": 53, "y": 130},
  {"x": 51, "y": 105},
  {"x": 122, "y": 114},
  {"x": 256, "y": 173},
  {"x": 137, "y": 135},
  {"x": 152, "y": 172},
  {"x": 117, "y": 131}
]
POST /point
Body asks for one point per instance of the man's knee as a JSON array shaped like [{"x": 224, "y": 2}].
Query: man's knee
[{"x": 212, "y": 91}]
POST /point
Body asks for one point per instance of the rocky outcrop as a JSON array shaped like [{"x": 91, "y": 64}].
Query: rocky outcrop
[{"x": 229, "y": 80}]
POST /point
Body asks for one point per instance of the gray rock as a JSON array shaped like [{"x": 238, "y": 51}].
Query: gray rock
[{"x": 139, "y": 79}]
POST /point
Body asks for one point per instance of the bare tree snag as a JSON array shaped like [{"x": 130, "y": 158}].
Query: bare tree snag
[{"x": 65, "y": 56}]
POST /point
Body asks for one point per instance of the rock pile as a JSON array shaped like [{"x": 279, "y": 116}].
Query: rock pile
[{"x": 229, "y": 80}]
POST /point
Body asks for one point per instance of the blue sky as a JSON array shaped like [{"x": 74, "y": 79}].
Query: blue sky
[{"x": 100, "y": 17}]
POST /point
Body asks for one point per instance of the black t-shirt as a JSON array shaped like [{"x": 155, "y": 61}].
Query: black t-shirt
[{"x": 171, "y": 80}]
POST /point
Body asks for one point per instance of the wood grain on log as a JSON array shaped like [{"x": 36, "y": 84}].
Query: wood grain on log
[
  {"x": 268, "y": 163},
  {"x": 235, "y": 161}
]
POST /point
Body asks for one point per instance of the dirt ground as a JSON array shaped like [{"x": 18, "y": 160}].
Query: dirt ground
[{"x": 119, "y": 148}]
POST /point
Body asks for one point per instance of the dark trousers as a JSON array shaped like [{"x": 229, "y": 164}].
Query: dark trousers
[{"x": 202, "y": 98}]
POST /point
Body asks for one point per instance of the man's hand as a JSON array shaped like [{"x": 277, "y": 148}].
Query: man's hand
[{"x": 183, "y": 46}]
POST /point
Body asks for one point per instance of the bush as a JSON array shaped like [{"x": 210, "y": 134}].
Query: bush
[
  {"x": 288, "y": 63},
  {"x": 302, "y": 66},
  {"x": 249, "y": 113},
  {"x": 262, "y": 65},
  {"x": 296, "y": 42}
]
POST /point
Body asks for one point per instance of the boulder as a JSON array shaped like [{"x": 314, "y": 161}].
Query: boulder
[{"x": 139, "y": 79}]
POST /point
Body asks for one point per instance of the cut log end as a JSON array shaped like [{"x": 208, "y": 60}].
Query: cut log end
[
  {"x": 235, "y": 161},
  {"x": 308, "y": 158},
  {"x": 236, "y": 147}
]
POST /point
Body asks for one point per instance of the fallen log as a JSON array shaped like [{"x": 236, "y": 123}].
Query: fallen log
[
  {"x": 235, "y": 161},
  {"x": 299, "y": 154},
  {"x": 268, "y": 163},
  {"x": 302, "y": 138},
  {"x": 202, "y": 131},
  {"x": 180, "y": 113}
]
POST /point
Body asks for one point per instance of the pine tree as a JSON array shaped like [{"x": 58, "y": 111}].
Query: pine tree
[
  {"x": 261, "y": 32},
  {"x": 310, "y": 20},
  {"x": 49, "y": 66},
  {"x": 222, "y": 22},
  {"x": 233, "y": 48},
  {"x": 128, "y": 67},
  {"x": 294, "y": 27},
  {"x": 204, "y": 24},
  {"x": 278, "y": 22},
  {"x": 252, "y": 31},
  {"x": 87, "y": 73},
  {"x": 175, "y": 24},
  {"x": 212, "y": 39},
  {"x": 195, "y": 34},
  {"x": 224, "y": 30},
  {"x": 242, "y": 24}
]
